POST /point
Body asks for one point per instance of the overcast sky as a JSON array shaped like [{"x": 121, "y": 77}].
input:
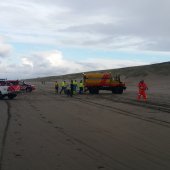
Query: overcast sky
[{"x": 53, "y": 37}]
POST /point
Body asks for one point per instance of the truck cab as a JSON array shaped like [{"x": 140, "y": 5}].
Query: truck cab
[{"x": 6, "y": 90}]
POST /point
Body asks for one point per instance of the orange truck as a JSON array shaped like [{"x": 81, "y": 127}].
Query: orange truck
[{"x": 103, "y": 81}]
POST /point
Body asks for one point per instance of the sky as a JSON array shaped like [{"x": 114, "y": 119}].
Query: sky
[{"x": 41, "y": 38}]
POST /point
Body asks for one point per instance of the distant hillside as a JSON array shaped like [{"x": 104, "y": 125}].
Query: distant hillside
[{"x": 160, "y": 69}]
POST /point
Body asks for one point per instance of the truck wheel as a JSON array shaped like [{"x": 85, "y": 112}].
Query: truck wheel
[
  {"x": 11, "y": 96},
  {"x": 120, "y": 90},
  {"x": 114, "y": 90},
  {"x": 91, "y": 91},
  {"x": 1, "y": 96},
  {"x": 28, "y": 90},
  {"x": 96, "y": 91},
  {"x": 117, "y": 90}
]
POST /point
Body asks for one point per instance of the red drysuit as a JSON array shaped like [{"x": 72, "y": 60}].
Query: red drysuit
[{"x": 142, "y": 88}]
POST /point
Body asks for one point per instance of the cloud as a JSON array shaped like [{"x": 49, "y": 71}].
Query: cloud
[
  {"x": 26, "y": 62},
  {"x": 110, "y": 24},
  {"x": 99, "y": 25},
  {"x": 5, "y": 49},
  {"x": 54, "y": 63}
]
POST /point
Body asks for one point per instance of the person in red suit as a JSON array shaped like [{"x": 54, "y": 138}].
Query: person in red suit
[{"x": 142, "y": 90}]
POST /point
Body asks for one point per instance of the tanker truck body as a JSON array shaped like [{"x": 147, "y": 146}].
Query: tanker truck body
[{"x": 103, "y": 81}]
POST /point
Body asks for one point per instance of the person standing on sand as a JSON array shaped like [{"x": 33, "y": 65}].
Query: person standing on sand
[
  {"x": 75, "y": 86},
  {"x": 70, "y": 89},
  {"x": 142, "y": 90},
  {"x": 56, "y": 87},
  {"x": 81, "y": 87},
  {"x": 63, "y": 87}
]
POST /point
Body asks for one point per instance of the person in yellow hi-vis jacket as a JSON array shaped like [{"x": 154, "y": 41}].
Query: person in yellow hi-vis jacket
[
  {"x": 81, "y": 87},
  {"x": 56, "y": 87},
  {"x": 70, "y": 88},
  {"x": 75, "y": 86},
  {"x": 63, "y": 87}
]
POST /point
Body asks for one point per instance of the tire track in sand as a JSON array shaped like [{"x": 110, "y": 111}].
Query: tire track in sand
[
  {"x": 5, "y": 132},
  {"x": 127, "y": 113}
]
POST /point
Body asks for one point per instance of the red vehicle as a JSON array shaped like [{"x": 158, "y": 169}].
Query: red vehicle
[
  {"x": 14, "y": 84},
  {"x": 7, "y": 89},
  {"x": 26, "y": 86}
]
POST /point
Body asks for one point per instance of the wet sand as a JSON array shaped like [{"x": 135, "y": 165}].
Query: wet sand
[{"x": 45, "y": 131}]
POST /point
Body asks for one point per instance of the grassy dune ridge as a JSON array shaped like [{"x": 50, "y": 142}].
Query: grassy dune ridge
[{"x": 146, "y": 71}]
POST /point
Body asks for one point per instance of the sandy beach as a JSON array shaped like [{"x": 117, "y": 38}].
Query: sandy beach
[{"x": 45, "y": 131}]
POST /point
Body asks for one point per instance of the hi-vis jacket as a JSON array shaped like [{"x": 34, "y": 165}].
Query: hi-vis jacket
[
  {"x": 81, "y": 85},
  {"x": 56, "y": 84},
  {"x": 63, "y": 84},
  {"x": 75, "y": 83}
]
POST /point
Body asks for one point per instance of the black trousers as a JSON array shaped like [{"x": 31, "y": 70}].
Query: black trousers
[
  {"x": 63, "y": 89},
  {"x": 69, "y": 92},
  {"x": 56, "y": 90}
]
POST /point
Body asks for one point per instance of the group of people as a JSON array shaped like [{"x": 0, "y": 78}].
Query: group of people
[{"x": 70, "y": 88}]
